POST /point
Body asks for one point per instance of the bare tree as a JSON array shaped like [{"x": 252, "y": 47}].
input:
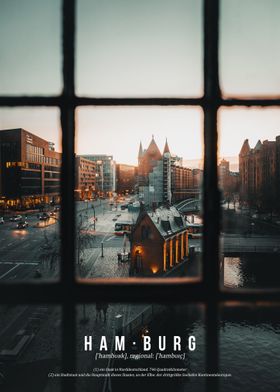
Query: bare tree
[
  {"x": 84, "y": 238},
  {"x": 50, "y": 251}
]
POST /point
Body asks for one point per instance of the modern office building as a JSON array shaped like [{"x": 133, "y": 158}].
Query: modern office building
[
  {"x": 105, "y": 171},
  {"x": 29, "y": 170}
]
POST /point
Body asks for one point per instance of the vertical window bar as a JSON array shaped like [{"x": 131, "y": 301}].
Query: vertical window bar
[
  {"x": 68, "y": 221},
  {"x": 211, "y": 195}
]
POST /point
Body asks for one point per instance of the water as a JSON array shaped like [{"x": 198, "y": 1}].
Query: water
[
  {"x": 249, "y": 350},
  {"x": 252, "y": 271},
  {"x": 249, "y": 336}
]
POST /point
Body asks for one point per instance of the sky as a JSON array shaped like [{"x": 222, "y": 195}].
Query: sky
[{"x": 136, "y": 49}]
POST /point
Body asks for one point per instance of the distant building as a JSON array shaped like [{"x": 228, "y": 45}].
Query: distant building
[
  {"x": 228, "y": 181},
  {"x": 159, "y": 241},
  {"x": 154, "y": 184},
  {"x": 125, "y": 178},
  {"x": 85, "y": 178},
  {"x": 106, "y": 173},
  {"x": 182, "y": 183},
  {"x": 162, "y": 179},
  {"x": 259, "y": 174},
  {"x": 30, "y": 169}
]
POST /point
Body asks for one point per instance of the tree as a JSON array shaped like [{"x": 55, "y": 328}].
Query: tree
[{"x": 84, "y": 238}]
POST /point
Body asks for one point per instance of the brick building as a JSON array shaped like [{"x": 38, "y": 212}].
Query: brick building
[
  {"x": 29, "y": 170},
  {"x": 159, "y": 241},
  {"x": 85, "y": 178},
  {"x": 259, "y": 174},
  {"x": 125, "y": 178},
  {"x": 162, "y": 179}
]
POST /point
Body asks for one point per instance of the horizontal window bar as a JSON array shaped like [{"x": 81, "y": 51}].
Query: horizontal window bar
[
  {"x": 84, "y": 101},
  {"x": 123, "y": 291}
]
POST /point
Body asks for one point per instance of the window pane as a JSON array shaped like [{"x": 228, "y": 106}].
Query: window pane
[
  {"x": 29, "y": 193},
  {"x": 30, "y": 347},
  {"x": 170, "y": 369},
  {"x": 249, "y": 348},
  {"x": 132, "y": 48},
  {"x": 250, "y": 47},
  {"x": 131, "y": 162},
  {"x": 30, "y": 47},
  {"x": 249, "y": 170}
]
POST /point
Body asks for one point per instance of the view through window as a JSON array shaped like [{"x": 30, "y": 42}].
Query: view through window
[{"x": 152, "y": 172}]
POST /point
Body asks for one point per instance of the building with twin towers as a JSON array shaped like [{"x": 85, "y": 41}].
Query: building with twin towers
[{"x": 161, "y": 178}]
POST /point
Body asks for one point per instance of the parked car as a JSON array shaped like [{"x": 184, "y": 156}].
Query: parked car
[
  {"x": 22, "y": 225},
  {"x": 1, "y": 220},
  {"x": 16, "y": 218},
  {"x": 44, "y": 216}
]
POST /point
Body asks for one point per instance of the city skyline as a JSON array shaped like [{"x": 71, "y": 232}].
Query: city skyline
[{"x": 111, "y": 130}]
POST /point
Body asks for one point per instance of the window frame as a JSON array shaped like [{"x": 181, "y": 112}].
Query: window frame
[{"x": 70, "y": 291}]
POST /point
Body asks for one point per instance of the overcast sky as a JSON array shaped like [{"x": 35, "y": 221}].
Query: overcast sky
[{"x": 141, "y": 48}]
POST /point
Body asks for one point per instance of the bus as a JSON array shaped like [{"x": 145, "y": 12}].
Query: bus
[
  {"x": 195, "y": 230},
  {"x": 123, "y": 227}
]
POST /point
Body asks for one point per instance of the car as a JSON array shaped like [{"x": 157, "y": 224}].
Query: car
[
  {"x": 52, "y": 213},
  {"x": 22, "y": 225},
  {"x": 16, "y": 218},
  {"x": 56, "y": 208},
  {"x": 1, "y": 220},
  {"x": 44, "y": 216}
]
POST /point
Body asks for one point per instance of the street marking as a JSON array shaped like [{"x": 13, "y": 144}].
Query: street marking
[
  {"x": 10, "y": 244},
  {"x": 6, "y": 273},
  {"x": 108, "y": 239}
]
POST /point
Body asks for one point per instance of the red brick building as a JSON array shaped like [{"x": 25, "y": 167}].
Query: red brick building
[
  {"x": 125, "y": 178},
  {"x": 159, "y": 242},
  {"x": 259, "y": 174},
  {"x": 85, "y": 178}
]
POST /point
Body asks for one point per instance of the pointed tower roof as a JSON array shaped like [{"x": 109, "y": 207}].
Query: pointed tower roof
[
  {"x": 153, "y": 150},
  {"x": 166, "y": 147},
  {"x": 258, "y": 146},
  {"x": 245, "y": 148},
  {"x": 140, "y": 153}
]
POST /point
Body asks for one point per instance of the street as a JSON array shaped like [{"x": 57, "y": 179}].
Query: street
[{"x": 28, "y": 333}]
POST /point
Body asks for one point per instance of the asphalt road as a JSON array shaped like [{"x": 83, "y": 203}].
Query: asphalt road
[{"x": 20, "y": 250}]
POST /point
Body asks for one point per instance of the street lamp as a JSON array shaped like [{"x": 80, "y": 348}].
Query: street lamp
[
  {"x": 102, "y": 249},
  {"x": 94, "y": 218}
]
